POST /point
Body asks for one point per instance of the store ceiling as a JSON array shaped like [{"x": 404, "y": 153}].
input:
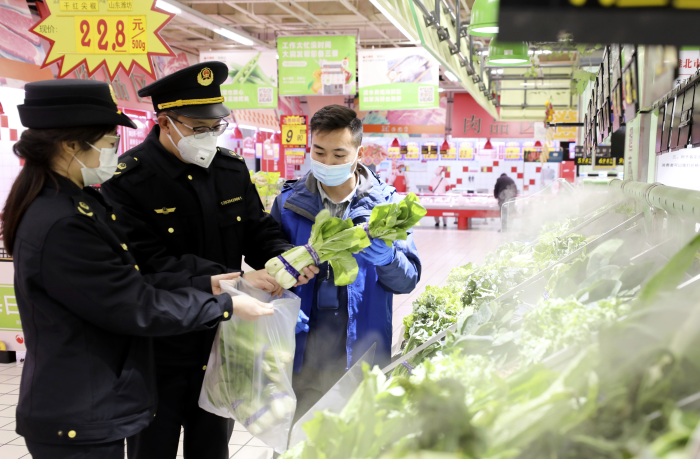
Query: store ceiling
[
  {"x": 522, "y": 90},
  {"x": 268, "y": 19}
]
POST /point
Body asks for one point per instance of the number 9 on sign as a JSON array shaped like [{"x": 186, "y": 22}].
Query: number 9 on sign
[
  {"x": 110, "y": 35},
  {"x": 294, "y": 134}
]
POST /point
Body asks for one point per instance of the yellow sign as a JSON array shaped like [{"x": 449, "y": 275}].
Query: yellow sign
[
  {"x": 294, "y": 134},
  {"x": 513, "y": 153},
  {"x": 112, "y": 33},
  {"x": 466, "y": 153},
  {"x": 394, "y": 152},
  {"x": 412, "y": 151},
  {"x": 449, "y": 154}
]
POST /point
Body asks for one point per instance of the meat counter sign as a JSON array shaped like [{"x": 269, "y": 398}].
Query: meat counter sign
[{"x": 116, "y": 34}]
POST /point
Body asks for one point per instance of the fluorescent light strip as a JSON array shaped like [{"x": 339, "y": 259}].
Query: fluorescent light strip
[
  {"x": 393, "y": 21},
  {"x": 234, "y": 36},
  {"x": 168, "y": 7},
  {"x": 250, "y": 128},
  {"x": 485, "y": 29},
  {"x": 450, "y": 76},
  {"x": 268, "y": 130}
]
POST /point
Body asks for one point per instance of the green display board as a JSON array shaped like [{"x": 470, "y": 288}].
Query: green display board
[
  {"x": 398, "y": 79},
  {"x": 317, "y": 65},
  {"x": 9, "y": 314},
  {"x": 252, "y": 81}
]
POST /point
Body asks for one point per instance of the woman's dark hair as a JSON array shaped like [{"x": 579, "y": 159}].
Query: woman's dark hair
[
  {"x": 334, "y": 117},
  {"x": 38, "y": 148}
]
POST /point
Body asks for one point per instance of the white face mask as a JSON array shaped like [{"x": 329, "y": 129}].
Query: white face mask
[
  {"x": 108, "y": 165},
  {"x": 334, "y": 175},
  {"x": 195, "y": 151}
]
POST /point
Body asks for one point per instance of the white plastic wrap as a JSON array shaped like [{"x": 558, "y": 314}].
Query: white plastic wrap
[{"x": 249, "y": 373}]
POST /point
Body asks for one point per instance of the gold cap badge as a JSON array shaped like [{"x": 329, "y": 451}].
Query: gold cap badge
[
  {"x": 205, "y": 77},
  {"x": 114, "y": 96}
]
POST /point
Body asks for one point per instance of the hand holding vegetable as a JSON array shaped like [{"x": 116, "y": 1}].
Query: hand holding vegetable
[
  {"x": 380, "y": 253},
  {"x": 332, "y": 239},
  {"x": 250, "y": 309},
  {"x": 307, "y": 274},
  {"x": 262, "y": 280},
  {"x": 216, "y": 281}
]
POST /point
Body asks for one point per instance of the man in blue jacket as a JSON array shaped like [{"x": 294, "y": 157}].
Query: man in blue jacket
[{"x": 343, "y": 322}]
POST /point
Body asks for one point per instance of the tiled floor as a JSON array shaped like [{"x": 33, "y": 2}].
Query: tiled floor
[{"x": 440, "y": 250}]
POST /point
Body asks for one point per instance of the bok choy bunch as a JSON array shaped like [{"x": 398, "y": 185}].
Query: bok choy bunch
[
  {"x": 332, "y": 239},
  {"x": 390, "y": 222}
]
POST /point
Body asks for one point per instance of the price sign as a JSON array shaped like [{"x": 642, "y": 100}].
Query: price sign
[
  {"x": 111, "y": 35},
  {"x": 448, "y": 155},
  {"x": 293, "y": 130},
  {"x": 394, "y": 152},
  {"x": 513, "y": 154},
  {"x": 294, "y": 135},
  {"x": 583, "y": 161},
  {"x": 605, "y": 163},
  {"x": 466, "y": 153},
  {"x": 412, "y": 151},
  {"x": 295, "y": 156},
  {"x": 96, "y": 33}
]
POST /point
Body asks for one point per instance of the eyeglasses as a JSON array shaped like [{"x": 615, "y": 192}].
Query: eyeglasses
[{"x": 201, "y": 132}]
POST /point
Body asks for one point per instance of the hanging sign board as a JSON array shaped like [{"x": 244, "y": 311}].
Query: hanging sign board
[
  {"x": 294, "y": 130},
  {"x": 513, "y": 154},
  {"x": 323, "y": 65},
  {"x": 398, "y": 79},
  {"x": 448, "y": 155},
  {"x": 114, "y": 34},
  {"x": 252, "y": 81},
  {"x": 466, "y": 152},
  {"x": 295, "y": 156}
]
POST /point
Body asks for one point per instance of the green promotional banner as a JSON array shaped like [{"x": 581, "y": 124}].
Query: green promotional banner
[
  {"x": 9, "y": 313},
  {"x": 322, "y": 65},
  {"x": 398, "y": 79},
  {"x": 252, "y": 81}
]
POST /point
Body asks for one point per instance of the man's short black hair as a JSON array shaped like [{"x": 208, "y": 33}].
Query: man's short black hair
[{"x": 334, "y": 117}]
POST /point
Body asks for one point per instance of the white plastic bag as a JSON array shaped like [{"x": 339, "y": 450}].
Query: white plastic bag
[{"x": 249, "y": 373}]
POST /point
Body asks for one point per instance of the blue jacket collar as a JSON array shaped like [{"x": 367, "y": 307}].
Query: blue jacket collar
[{"x": 305, "y": 199}]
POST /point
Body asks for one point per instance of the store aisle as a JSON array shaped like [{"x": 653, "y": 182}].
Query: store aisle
[{"x": 440, "y": 249}]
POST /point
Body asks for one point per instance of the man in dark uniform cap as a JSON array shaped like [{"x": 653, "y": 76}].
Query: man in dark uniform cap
[{"x": 179, "y": 193}]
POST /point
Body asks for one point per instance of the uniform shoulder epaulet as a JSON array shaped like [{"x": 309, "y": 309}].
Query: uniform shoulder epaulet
[
  {"x": 82, "y": 208},
  {"x": 126, "y": 163},
  {"x": 226, "y": 153}
]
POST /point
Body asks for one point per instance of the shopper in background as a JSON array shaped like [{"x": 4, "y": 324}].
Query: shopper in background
[
  {"x": 344, "y": 322},
  {"x": 504, "y": 191},
  {"x": 177, "y": 193},
  {"x": 87, "y": 308},
  {"x": 438, "y": 185},
  {"x": 399, "y": 180}
]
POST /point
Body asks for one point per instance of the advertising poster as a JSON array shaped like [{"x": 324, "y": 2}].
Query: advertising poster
[
  {"x": 402, "y": 123},
  {"x": 252, "y": 80},
  {"x": 322, "y": 65},
  {"x": 398, "y": 79}
]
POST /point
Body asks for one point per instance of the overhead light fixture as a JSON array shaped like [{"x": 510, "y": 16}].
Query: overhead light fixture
[
  {"x": 445, "y": 146},
  {"x": 484, "y": 18},
  {"x": 234, "y": 36},
  {"x": 168, "y": 7},
  {"x": 395, "y": 143},
  {"x": 538, "y": 144},
  {"x": 451, "y": 76},
  {"x": 391, "y": 18},
  {"x": 488, "y": 145},
  {"x": 507, "y": 53},
  {"x": 237, "y": 134}
]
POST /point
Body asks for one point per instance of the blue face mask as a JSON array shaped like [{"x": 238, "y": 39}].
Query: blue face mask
[{"x": 333, "y": 175}]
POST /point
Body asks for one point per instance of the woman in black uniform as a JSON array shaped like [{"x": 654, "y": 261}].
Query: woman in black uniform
[{"x": 87, "y": 310}]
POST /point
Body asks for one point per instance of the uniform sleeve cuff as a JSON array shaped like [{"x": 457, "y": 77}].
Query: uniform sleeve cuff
[
  {"x": 226, "y": 303},
  {"x": 202, "y": 283}
]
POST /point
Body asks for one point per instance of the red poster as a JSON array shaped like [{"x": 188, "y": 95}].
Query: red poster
[{"x": 470, "y": 120}]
